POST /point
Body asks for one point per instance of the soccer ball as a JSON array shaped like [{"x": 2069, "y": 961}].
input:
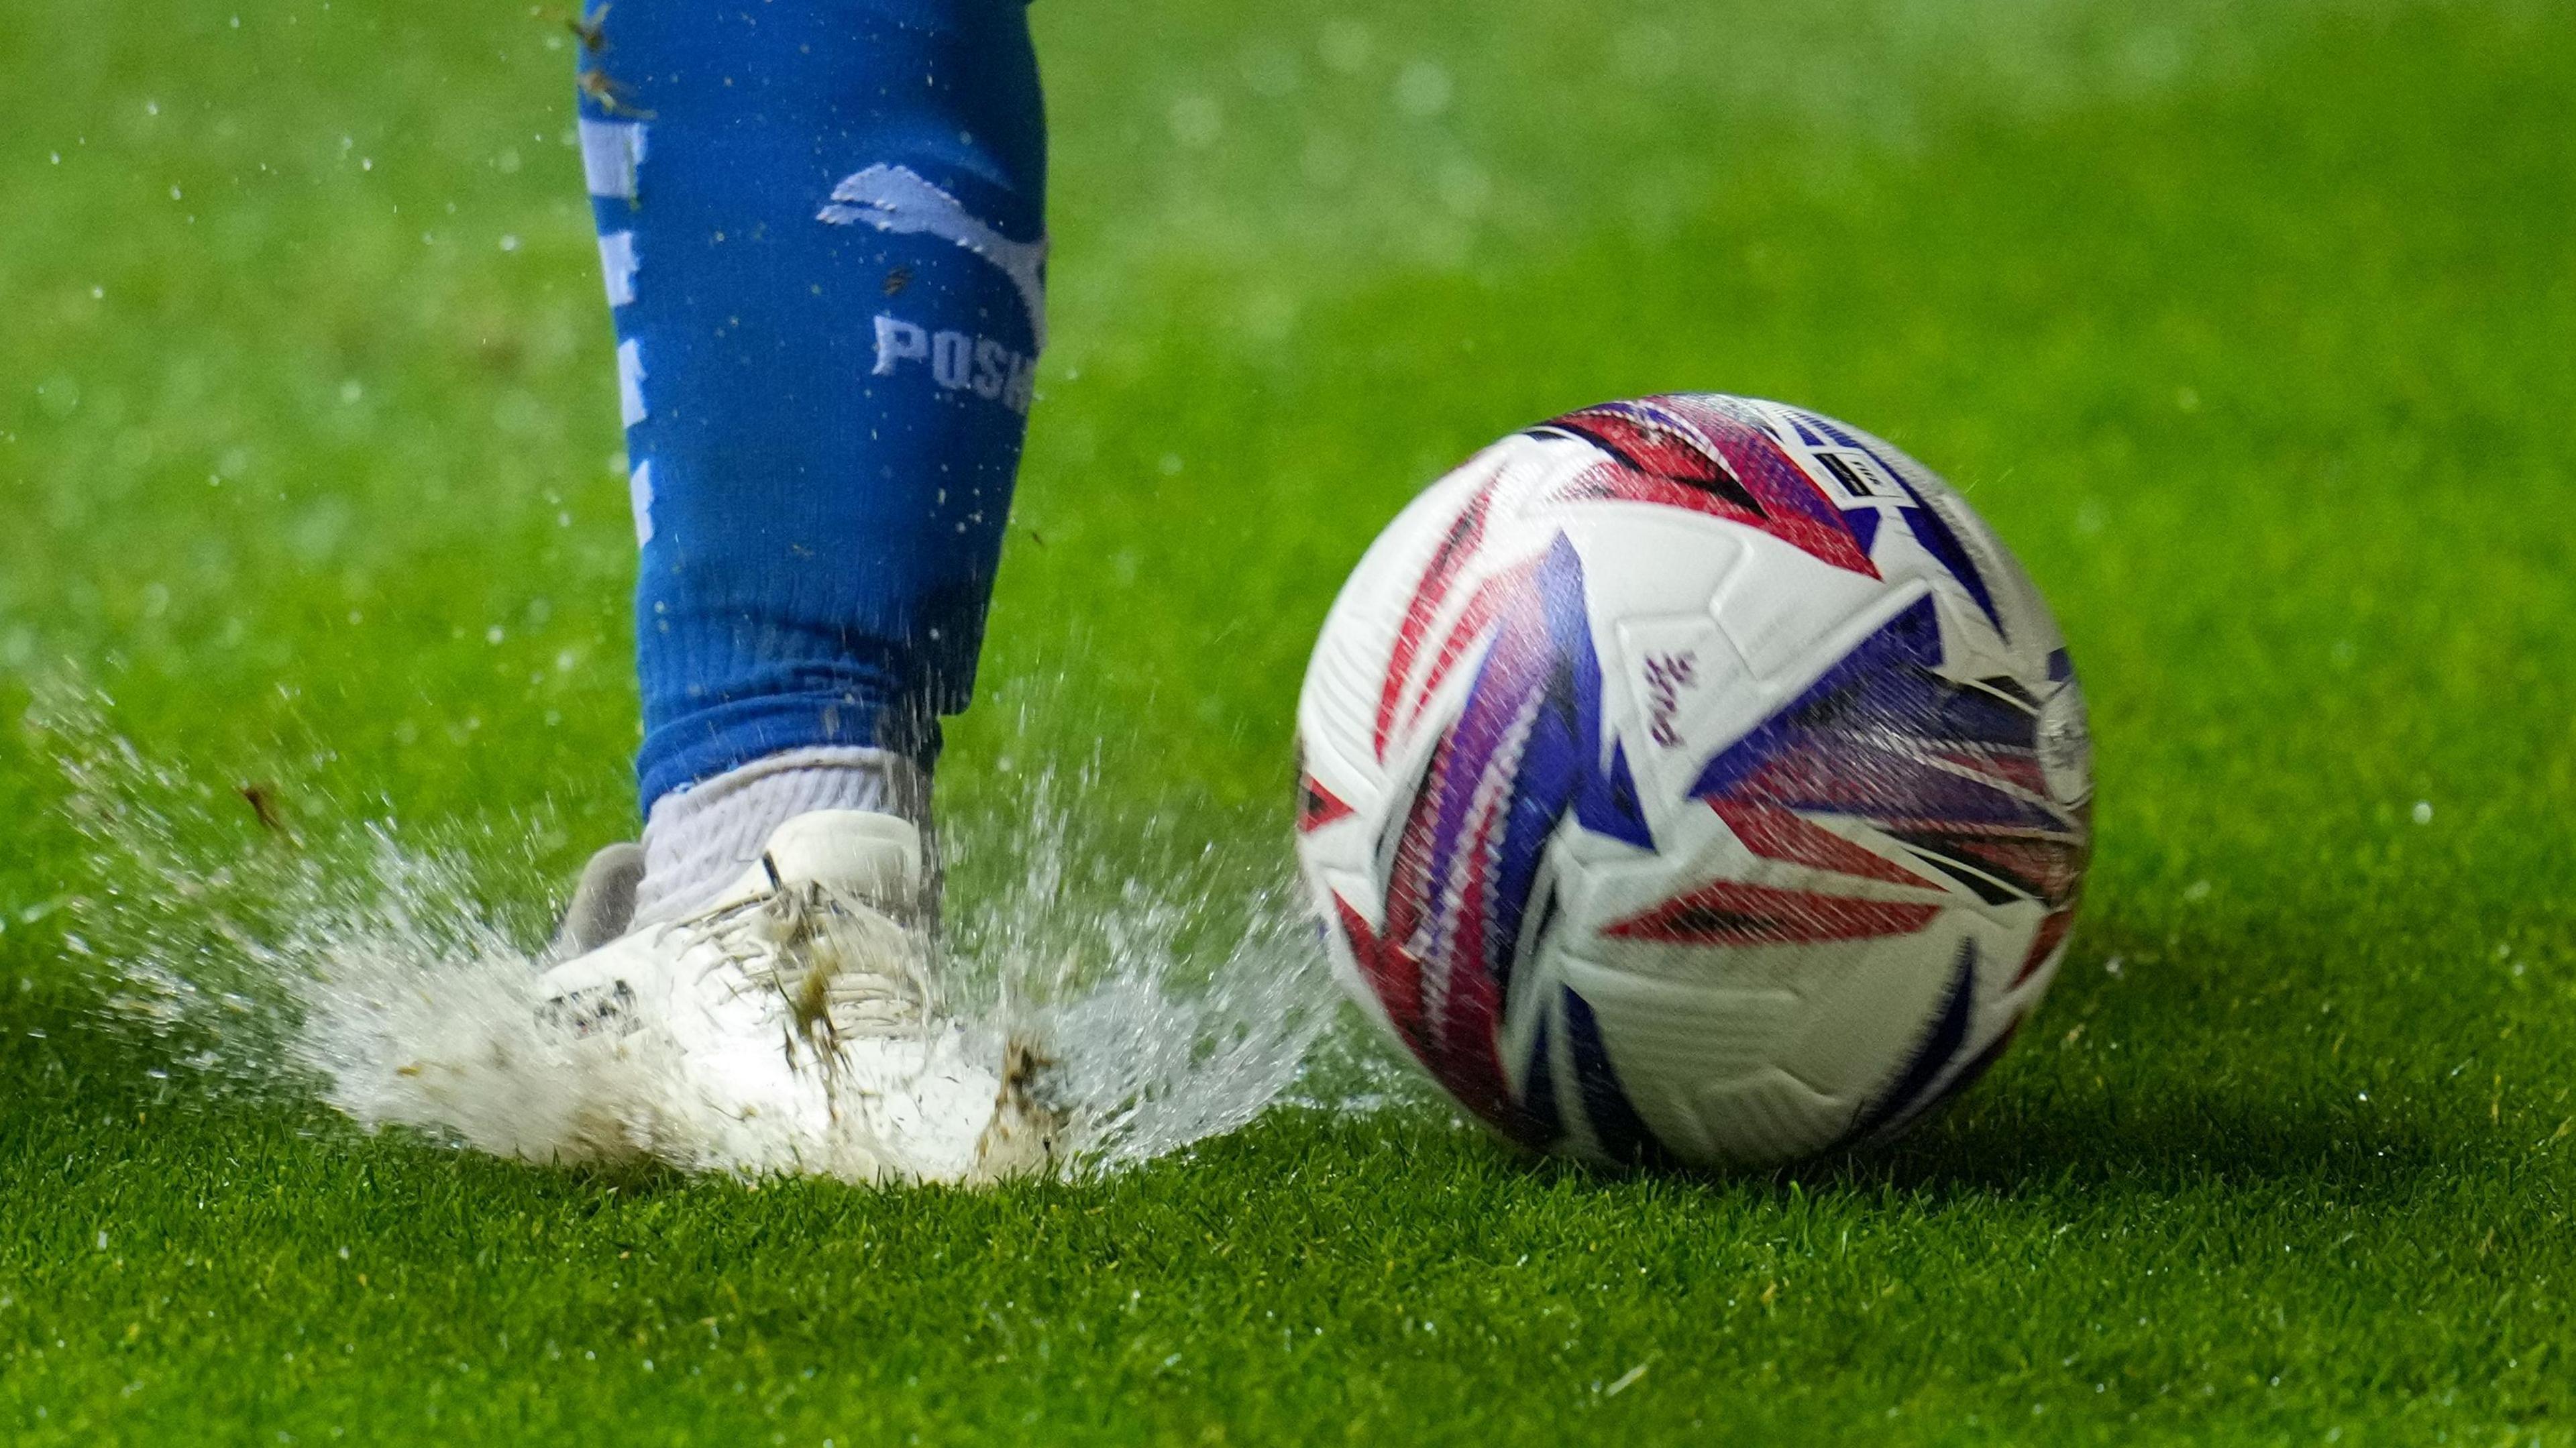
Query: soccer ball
[{"x": 1693, "y": 780}]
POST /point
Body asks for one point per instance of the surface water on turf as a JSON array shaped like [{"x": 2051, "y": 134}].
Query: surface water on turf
[{"x": 332, "y": 951}]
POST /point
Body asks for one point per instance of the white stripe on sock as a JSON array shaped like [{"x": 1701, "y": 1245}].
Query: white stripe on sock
[
  {"x": 617, "y": 265},
  {"x": 639, "y": 496},
  {"x": 612, "y": 152},
  {"x": 630, "y": 382}
]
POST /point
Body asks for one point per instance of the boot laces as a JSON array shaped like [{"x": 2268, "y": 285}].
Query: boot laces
[{"x": 838, "y": 967}]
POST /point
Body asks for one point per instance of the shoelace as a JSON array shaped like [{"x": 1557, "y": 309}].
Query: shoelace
[{"x": 839, "y": 967}]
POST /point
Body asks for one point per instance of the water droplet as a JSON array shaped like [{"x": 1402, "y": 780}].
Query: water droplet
[
  {"x": 1345, "y": 45},
  {"x": 1271, "y": 70},
  {"x": 1423, "y": 89},
  {"x": 1196, "y": 121}
]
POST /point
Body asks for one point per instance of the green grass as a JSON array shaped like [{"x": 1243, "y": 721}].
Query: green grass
[{"x": 2252, "y": 328}]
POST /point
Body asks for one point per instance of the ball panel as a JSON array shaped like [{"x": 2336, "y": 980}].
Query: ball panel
[
  {"x": 1856, "y": 1032},
  {"x": 1787, "y": 616},
  {"x": 1666, "y": 1031},
  {"x": 1345, "y": 679},
  {"x": 1766, "y": 1119}
]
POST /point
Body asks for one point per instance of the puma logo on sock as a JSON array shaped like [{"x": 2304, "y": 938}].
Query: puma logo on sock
[{"x": 895, "y": 199}]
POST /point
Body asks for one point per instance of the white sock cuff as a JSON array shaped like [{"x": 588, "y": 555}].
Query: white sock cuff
[{"x": 701, "y": 839}]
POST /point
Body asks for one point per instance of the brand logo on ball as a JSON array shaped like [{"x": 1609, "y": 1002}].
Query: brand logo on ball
[{"x": 1666, "y": 676}]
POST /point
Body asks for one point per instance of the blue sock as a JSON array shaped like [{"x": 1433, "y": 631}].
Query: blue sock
[{"x": 822, "y": 225}]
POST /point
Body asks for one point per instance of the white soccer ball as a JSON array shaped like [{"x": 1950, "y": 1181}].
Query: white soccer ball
[{"x": 1694, "y": 779}]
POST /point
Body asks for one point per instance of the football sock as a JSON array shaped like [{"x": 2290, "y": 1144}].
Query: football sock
[
  {"x": 700, "y": 840},
  {"x": 822, "y": 230}
]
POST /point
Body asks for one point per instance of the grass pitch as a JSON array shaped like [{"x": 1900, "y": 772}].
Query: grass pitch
[{"x": 2249, "y": 327}]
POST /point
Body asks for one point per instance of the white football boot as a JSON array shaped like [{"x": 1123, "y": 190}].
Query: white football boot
[{"x": 791, "y": 1023}]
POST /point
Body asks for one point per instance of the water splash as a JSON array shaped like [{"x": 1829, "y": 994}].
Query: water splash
[
  {"x": 1165, "y": 969},
  {"x": 1173, "y": 977}
]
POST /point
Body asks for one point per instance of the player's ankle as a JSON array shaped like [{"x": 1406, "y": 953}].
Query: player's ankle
[{"x": 699, "y": 840}]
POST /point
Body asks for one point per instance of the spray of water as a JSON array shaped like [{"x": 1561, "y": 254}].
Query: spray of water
[{"x": 1164, "y": 970}]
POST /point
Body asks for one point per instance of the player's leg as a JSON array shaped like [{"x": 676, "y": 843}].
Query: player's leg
[{"x": 822, "y": 232}]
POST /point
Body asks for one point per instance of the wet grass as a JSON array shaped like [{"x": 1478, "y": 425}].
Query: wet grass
[{"x": 2250, "y": 331}]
